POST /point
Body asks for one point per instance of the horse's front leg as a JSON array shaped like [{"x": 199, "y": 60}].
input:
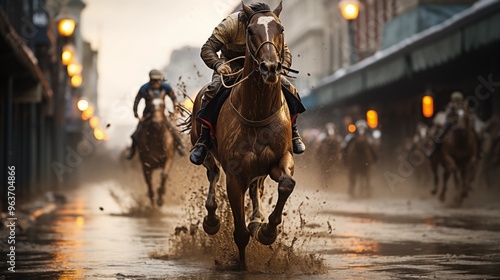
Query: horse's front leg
[
  {"x": 449, "y": 169},
  {"x": 267, "y": 233},
  {"x": 161, "y": 188},
  {"x": 434, "y": 168},
  {"x": 147, "y": 176},
  {"x": 211, "y": 222},
  {"x": 236, "y": 195},
  {"x": 164, "y": 175}
]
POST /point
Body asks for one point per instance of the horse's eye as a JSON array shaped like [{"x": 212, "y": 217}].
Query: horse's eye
[
  {"x": 249, "y": 31},
  {"x": 282, "y": 29}
]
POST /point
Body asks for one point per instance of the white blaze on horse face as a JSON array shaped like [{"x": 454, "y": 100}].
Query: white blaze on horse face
[
  {"x": 157, "y": 102},
  {"x": 265, "y": 21}
]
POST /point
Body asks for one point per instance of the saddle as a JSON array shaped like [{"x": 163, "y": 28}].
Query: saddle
[{"x": 210, "y": 114}]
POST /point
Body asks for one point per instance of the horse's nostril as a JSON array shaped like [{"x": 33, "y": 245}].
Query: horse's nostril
[
  {"x": 279, "y": 69},
  {"x": 263, "y": 67}
]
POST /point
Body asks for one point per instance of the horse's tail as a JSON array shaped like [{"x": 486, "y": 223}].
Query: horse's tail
[{"x": 188, "y": 121}]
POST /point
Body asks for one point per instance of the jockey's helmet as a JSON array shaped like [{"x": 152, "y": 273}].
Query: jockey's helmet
[
  {"x": 457, "y": 97},
  {"x": 155, "y": 75}
]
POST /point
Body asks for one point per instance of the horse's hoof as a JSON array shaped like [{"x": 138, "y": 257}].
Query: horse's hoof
[
  {"x": 211, "y": 229},
  {"x": 254, "y": 228},
  {"x": 160, "y": 202},
  {"x": 433, "y": 192},
  {"x": 263, "y": 238}
]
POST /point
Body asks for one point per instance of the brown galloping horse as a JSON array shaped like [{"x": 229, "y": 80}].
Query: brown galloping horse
[
  {"x": 156, "y": 146},
  {"x": 457, "y": 155},
  {"x": 253, "y": 135}
]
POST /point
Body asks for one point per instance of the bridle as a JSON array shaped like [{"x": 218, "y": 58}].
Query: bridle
[{"x": 281, "y": 53}]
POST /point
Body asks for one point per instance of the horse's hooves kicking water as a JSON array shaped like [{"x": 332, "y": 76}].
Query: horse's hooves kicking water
[{"x": 211, "y": 227}]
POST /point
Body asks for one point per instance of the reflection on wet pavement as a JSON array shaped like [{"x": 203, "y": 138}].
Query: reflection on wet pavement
[{"x": 92, "y": 237}]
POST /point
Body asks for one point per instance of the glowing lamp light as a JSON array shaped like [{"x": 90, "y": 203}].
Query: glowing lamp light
[
  {"x": 351, "y": 128},
  {"x": 88, "y": 113},
  {"x": 74, "y": 68},
  {"x": 82, "y": 105},
  {"x": 427, "y": 106},
  {"x": 99, "y": 134},
  {"x": 349, "y": 9},
  {"x": 66, "y": 27},
  {"x": 67, "y": 54},
  {"x": 188, "y": 104},
  {"x": 94, "y": 122},
  {"x": 76, "y": 81},
  {"x": 372, "y": 118}
]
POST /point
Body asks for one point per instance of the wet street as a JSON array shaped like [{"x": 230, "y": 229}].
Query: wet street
[{"x": 106, "y": 230}]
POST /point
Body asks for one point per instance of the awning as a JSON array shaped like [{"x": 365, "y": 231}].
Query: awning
[
  {"x": 465, "y": 32},
  {"x": 17, "y": 52}
]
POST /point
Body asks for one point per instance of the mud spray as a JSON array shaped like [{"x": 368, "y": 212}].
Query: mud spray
[{"x": 287, "y": 255}]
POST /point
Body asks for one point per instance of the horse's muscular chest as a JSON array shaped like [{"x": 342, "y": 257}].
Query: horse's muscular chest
[{"x": 256, "y": 145}]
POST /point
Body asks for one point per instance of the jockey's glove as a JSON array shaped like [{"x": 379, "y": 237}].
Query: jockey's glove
[{"x": 224, "y": 69}]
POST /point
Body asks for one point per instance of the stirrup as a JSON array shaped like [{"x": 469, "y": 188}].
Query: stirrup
[
  {"x": 198, "y": 153},
  {"x": 298, "y": 145}
]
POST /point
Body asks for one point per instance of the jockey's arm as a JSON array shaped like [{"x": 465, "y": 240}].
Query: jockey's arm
[
  {"x": 138, "y": 98},
  {"x": 209, "y": 52}
]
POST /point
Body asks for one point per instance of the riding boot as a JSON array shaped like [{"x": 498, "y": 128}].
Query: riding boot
[
  {"x": 298, "y": 145},
  {"x": 201, "y": 147}
]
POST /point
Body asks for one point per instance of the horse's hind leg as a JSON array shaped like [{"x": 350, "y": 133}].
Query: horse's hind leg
[
  {"x": 256, "y": 188},
  {"x": 211, "y": 222},
  {"x": 267, "y": 233},
  {"x": 147, "y": 177}
]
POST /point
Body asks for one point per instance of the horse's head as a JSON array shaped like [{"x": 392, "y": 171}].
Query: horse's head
[
  {"x": 157, "y": 110},
  {"x": 265, "y": 42},
  {"x": 461, "y": 120}
]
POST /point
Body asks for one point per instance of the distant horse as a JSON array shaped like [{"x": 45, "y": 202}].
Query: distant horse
[
  {"x": 329, "y": 154},
  {"x": 156, "y": 146},
  {"x": 418, "y": 146},
  {"x": 253, "y": 135},
  {"x": 457, "y": 155},
  {"x": 360, "y": 156},
  {"x": 491, "y": 151}
]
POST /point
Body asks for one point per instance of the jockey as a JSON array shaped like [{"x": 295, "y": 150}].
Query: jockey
[
  {"x": 449, "y": 118},
  {"x": 156, "y": 87},
  {"x": 361, "y": 129},
  {"x": 229, "y": 38}
]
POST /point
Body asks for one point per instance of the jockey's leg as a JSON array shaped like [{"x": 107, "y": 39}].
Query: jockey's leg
[
  {"x": 135, "y": 139},
  {"x": 295, "y": 109},
  {"x": 201, "y": 147}
]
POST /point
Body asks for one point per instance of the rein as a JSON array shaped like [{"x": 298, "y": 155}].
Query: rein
[{"x": 253, "y": 123}]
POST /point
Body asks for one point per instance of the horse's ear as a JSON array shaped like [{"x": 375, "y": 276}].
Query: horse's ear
[
  {"x": 277, "y": 11},
  {"x": 248, "y": 11}
]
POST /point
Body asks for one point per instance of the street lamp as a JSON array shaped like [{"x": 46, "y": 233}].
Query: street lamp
[
  {"x": 66, "y": 27},
  {"x": 74, "y": 68},
  {"x": 68, "y": 53},
  {"x": 76, "y": 81},
  {"x": 350, "y": 11}
]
